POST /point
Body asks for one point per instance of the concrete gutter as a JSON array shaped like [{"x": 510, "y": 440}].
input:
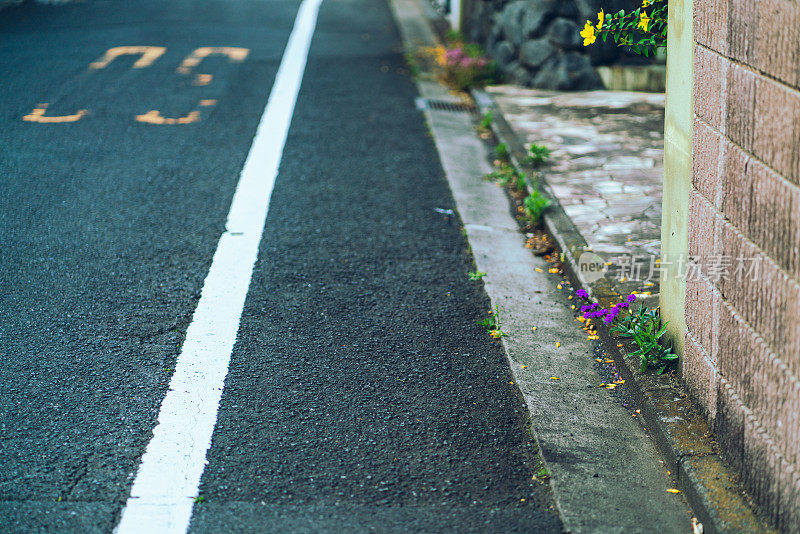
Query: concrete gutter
[{"x": 680, "y": 432}]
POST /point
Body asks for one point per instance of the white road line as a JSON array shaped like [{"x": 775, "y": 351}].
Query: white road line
[{"x": 166, "y": 484}]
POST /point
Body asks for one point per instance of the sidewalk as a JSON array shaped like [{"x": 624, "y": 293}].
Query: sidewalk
[{"x": 605, "y": 178}]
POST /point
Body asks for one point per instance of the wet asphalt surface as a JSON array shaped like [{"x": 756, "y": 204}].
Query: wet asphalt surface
[{"x": 361, "y": 394}]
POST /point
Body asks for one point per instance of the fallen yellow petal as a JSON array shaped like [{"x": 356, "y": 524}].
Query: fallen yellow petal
[
  {"x": 673, "y": 490},
  {"x": 538, "y": 270},
  {"x": 554, "y": 378},
  {"x": 524, "y": 366},
  {"x": 558, "y": 344},
  {"x": 558, "y": 286}
]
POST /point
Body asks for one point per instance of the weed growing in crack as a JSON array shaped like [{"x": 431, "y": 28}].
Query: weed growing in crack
[
  {"x": 537, "y": 155},
  {"x": 503, "y": 175},
  {"x": 501, "y": 152},
  {"x": 492, "y": 324},
  {"x": 486, "y": 122},
  {"x": 535, "y": 204},
  {"x": 476, "y": 275}
]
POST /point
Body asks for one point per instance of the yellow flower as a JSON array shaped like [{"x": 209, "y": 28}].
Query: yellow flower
[
  {"x": 601, "y": 18},
  {"x": 644, "y": 20},
  {"x": 646, "y": 3},
  {"x": 588, "y": 37}
]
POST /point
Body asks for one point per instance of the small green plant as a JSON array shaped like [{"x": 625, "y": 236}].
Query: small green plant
[
  {"x": 501, "y": 152},
  {"x": 413, "y": 65},
  {"x": 535, "y": 204},
  {"x": 543, "y": 473},
  {"x": 199, "y": 499},
  {"x": 645, "y": 328},
  {"x": 503, "y": 175},
  {"x": 492, "y": 324},
  {"x": 521, "y": 184},
  {"x": 486, "y": 121},
  {"x": 476, "y": 275},
  {"x": 537, "y": 155}
]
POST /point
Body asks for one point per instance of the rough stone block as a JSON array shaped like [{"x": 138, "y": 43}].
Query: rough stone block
[
  {"x": 763, "y": 466},
  {"x": 710, "y": 80},
  {"x": 777, "y": 48},
  {"x": 729, "y": 423},
  {"x": 512, "y": 21},
  {"x": 737, "y": 185},
  {"x": 535, "y": 17},
  {"x": 565, "y": 33},
  {"x": 570, "y": 71},
  {"x": 503, "y": 53},
  {"x": 743, "y": 18},
  {"x": 711, "y": 24},
  {"x": 703, "y": 304},
  {"x": 777, "y": 127},
  {"x": 767, "y": 300},
  {"x": 789, "y": 509},
  {"x": 535, "y": 52},
  {"x": 700, "y": 376},
  {"x": 772, "y": 214},
  {"x": 740, "y": 104},
  {"x": 704, "y": 233},
  {"x": 706, "y": 163}
]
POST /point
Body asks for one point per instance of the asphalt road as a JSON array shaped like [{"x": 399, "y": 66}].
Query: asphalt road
[{"x": 361, "y": 395}]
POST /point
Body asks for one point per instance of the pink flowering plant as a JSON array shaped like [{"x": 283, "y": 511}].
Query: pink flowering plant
[
  {"x": 643, "y": 30},
  {"x": 643, "y": 326},
  {"x": 462, "y": 65}
]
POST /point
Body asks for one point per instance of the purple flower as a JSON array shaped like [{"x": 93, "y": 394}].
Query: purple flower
[
  {"x": 600, "y": 313},
  {"x": 588, "y": 315},
  {"x": 594, "y": 305},
  {"x": 608, "y": 318},
  {"x": 631, "y": 298},
  {"x": 582, "y": 294},
  {"x": 623, "y": 304}
]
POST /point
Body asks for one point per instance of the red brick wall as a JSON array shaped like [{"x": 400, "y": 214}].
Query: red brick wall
[{"x": 742, "y": 354}]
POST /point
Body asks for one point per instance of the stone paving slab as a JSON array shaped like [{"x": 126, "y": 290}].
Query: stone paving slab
[{"x": 606, "y": 170}]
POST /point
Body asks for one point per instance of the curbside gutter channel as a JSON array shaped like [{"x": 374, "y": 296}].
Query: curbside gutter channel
[{"x": 680, "y": 432}]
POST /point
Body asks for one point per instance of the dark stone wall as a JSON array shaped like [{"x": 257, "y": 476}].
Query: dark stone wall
[{"x": 536, "y": 43}]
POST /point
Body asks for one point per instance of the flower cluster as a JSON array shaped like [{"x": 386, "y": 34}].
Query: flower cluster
[
  {"x": 643, "y": 30},
  {"x": 594, "y": 311},
  {"x": 461, "y": 65},
  {"x": 458, "y": 57}
]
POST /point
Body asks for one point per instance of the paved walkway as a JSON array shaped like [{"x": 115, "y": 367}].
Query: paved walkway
[{"x": 606, "y": 169}]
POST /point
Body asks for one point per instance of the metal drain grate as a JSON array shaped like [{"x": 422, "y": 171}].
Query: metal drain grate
[{"x": 443, "y": 105}]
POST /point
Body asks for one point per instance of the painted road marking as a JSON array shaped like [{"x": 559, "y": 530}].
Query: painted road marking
[
  {"x": 154, "y": 117},
  {"x": 38, "y": 115},
  {"x": 166, "y": 483},
  {"x": 192, "y": 60},
  {"x": 149, "y": 55}
]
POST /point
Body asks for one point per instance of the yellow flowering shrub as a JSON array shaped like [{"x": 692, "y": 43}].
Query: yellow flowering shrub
[{"x": 643, "y": 30}]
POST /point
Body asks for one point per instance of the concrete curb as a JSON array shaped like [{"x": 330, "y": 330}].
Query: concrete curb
[{"x": 680, "y": 432}]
